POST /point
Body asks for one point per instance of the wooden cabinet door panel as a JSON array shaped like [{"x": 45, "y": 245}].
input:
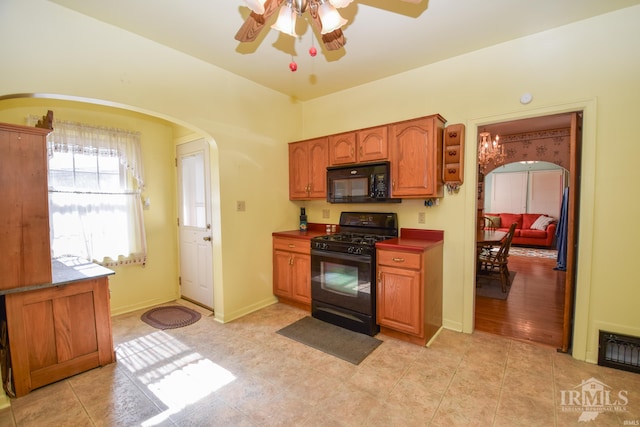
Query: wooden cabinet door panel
[
  {"x": 373, "y": 144},
  {"x": 282, "y": 273},
  {"x": 298, "y": 170},
  {"x": 399, "y": 297},
  {"x": 40, "y": 334},
  {"x": 413, "y": 151},
  {"x": 301, "y": 278},
  {"x": 308, "y": 161},
  {"x": 71, "y": 340},
  {"x": 24, "y": 211},
  {"x": 342, "y": 149},
  {"x": 318, "y": 162}
]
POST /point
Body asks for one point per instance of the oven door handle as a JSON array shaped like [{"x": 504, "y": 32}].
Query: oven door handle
[{"x": 338, "y": 255}]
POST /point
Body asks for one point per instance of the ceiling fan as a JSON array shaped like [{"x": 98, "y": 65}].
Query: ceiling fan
[{"x": 324, "y": 18}]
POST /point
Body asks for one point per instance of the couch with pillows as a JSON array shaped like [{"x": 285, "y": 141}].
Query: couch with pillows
[{"x": 532, "y": 229}]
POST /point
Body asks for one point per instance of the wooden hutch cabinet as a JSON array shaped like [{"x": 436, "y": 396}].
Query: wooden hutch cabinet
[
  {"x": 24, "y": 207},
  {"x": 292, "y": 270},
  {"x": 308, "y": 161},
  {"x": 416, "y": 157},
  {"x": 366, "y": 145},
  {"x": 56, "y": 315}
]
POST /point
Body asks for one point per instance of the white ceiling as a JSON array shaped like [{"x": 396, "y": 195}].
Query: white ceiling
[{"x": 384, "y": 37}]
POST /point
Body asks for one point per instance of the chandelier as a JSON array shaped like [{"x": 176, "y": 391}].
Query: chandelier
[{"x": 489, "y": 151}]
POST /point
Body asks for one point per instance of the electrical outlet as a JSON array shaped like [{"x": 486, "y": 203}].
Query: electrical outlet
[
  {"x": 326, "y": 213},
  {"x": 240, "y": 206},
  {"x": 420, "y": 217}
]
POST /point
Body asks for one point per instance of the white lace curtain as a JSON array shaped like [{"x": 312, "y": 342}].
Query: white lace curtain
[{"x": 106, "y": 227}]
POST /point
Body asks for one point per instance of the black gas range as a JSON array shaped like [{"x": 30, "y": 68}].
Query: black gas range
[{"x": 343, "y": 270}]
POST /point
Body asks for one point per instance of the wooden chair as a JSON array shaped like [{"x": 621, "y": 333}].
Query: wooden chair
[
  {"x": 496, "y": 261},
  {"x": 487, "y": 224}
]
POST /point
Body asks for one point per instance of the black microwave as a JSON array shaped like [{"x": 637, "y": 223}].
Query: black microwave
[{"x": 364, "y": 183}]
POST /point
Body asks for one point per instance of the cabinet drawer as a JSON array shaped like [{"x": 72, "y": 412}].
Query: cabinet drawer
[
  {"x": 292, "y": 245},
  {"x": 452, "y": 154},
  {"x": 400, "y": 259},
  {"x": 451, "y": 172}
]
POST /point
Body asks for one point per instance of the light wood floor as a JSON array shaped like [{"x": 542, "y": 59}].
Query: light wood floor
[{"x": 534, "y": 309}]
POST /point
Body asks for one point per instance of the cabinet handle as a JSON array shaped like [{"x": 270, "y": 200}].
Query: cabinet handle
[
  {"x": 290, "y": 260},
  {"x": 398, "y": 259},
  {"x": 291, "y": 245},
  {"x": 207, "y": 238},
  {"x": 453, "y": 152}
]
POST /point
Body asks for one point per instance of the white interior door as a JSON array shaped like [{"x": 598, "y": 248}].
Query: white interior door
[{"x": 194, "y": 223}]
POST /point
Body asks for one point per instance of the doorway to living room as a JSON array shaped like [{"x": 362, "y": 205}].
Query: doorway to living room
[{"x": 539, "y": 303}]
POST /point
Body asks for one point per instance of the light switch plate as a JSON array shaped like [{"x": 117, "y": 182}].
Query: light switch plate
[
  {"x": 420, "y": 217},
  {"x": 240, "y": 206}
]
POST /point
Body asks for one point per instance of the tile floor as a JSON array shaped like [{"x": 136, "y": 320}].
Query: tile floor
[{"x": 244, "y": 374}]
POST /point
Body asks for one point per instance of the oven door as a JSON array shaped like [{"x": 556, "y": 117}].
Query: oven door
[{"x": 342, "y": 280}]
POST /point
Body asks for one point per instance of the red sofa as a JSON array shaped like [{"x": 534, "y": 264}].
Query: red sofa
[{"x": 524, "y": 234}]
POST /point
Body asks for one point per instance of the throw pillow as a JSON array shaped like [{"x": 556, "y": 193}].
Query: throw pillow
[
  {"x": 542, "y": 222},
  {"x": 495, "y": 220}
]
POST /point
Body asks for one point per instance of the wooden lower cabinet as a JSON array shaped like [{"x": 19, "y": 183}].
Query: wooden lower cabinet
[
  {"x": 292, "y": 271},
  {"x": 409, "y": 293},
  {"x": 58, "y": 332}
]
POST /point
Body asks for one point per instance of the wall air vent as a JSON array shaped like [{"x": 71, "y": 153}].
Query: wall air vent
[{"x": 619, "y": 351}]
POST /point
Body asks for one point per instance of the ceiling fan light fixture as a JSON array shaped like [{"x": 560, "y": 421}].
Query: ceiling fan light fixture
[
  {"x": 286, "y": 22},
  {"x": 330, "y": 18},
  {"x": 338, "y": 4},
  {"x": 256, "y": 5}
]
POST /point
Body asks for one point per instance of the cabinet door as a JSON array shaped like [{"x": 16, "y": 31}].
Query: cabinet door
[
  {"x": 399, "y": 299},
  {"x": 318, "y": 162},
  {"x": 416, "y": 158},
  {"x": 301, "y": 278},
  {"x": 282, "y": 271},
  {"x": 298, "y": 170},
  {"x": 24, "y": 208},
  {"x": 58, "y": 332},
  {"x": 342, "y": 149},
  {"x": 373, "y": 144}
]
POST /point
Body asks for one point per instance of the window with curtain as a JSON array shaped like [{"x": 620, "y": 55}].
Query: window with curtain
[{"x": 95, "y": 184}]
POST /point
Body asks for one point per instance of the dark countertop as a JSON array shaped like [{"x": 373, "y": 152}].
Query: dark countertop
[
  {"x": 414, "y": 240},
  {"x": 411, "y": 239},
  {"x": 313, "y": 230},
  {"x": 65, "y": 271}
]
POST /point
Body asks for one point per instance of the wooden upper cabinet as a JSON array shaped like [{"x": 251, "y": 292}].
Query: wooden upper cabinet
[
  {"x": 416, "y": 157},
  {"x": 308, "y": 161},
  {"x": 361, "y": 146},
  {"x": 373, "y": 144},
  {"x": 342, "y": 149},
  {"x": 24, "y": 207}
]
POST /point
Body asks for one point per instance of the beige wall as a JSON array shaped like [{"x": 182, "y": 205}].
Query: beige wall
[{"x": 590, "y": 65}]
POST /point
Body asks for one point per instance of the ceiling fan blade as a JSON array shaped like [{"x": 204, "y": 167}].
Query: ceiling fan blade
[{"x": 252, "y": 26}]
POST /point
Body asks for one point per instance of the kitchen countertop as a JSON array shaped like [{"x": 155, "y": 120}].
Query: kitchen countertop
[
  {"x": 411, "y": 239},
  {"x": 65, "y": 271},
  {"x": 414, "y": 239}
]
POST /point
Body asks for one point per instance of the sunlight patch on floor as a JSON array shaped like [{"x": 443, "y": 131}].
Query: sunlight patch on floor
[{"x": 172, "y": 371}]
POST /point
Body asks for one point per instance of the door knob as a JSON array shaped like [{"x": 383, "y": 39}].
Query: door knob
[{"x": 207, "y": 238}]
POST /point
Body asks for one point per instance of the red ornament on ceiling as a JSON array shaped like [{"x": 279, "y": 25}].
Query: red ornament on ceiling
[
  {"x": 293, "y": 66},
  {"x": 313, "y": 51}
]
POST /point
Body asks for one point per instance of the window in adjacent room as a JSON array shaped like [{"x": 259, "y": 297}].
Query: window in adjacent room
[{"x": 95, "y": 181}]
